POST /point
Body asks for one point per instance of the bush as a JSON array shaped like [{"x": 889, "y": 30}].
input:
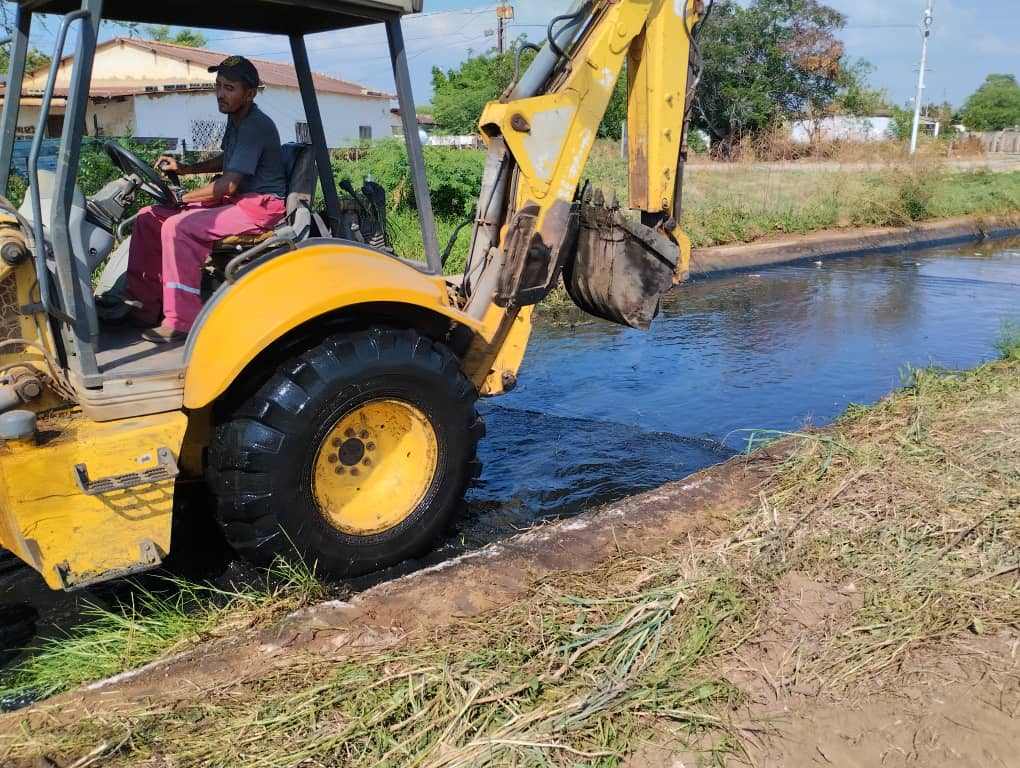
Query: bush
[
  {"x": 454, "y": 176},
  {"x": 696, "y": 142},
  {"x": 96, "y": 170},
  {"x": 16, "y": 189}
]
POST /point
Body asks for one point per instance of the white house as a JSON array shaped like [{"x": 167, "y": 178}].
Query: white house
[
  {"x": 841, "y": 128},
  {"x": 158, "y": 90}
]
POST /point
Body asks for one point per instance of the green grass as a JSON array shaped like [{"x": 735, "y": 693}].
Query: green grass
[
  {"x": 155, "y": 622},
  {"x": 1008, "y": 343}
]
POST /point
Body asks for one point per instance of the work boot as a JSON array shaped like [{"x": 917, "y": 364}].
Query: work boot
[
  {"x": 114, "y": 312},
  {"x": 164, "y": 334}
]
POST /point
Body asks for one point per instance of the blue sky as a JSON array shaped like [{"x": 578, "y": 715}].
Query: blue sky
[{"x": 971, "y": 38}]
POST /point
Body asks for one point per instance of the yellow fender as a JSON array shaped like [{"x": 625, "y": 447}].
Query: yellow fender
[{"x": 245, "y": 318}]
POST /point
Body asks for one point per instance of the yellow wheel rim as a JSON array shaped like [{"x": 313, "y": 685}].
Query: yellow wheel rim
[{"x": 374, "y": 467}]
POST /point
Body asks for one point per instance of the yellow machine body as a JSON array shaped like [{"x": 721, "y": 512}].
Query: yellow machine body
[
  {"x": 75, "y": 535},
  {"x": 70, "y": 537},
  {"x": 259, "y": 309}
]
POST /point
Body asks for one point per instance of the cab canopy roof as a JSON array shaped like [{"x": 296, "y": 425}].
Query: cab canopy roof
[{"x": 267, "y": 16}]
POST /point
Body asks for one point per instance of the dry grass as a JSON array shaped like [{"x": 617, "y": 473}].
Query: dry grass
[
  {"x": 913, "y": 502},
  {"x": 778, "y": 146},
  {"x": 745, "y": 201}
]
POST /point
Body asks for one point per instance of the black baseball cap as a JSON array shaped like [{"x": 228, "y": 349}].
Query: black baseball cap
[{"x": 239, "y": 69}]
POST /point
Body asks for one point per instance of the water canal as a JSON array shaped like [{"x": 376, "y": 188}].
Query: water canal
[{"x": 603, "y": 412}]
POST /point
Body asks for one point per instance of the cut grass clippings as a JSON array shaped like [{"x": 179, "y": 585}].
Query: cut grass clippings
[{"x": 910, "y": 506}]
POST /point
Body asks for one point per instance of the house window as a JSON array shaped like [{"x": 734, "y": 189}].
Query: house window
[
  {"x": 302, "y": 134},
  {"x": 365, "y": 133},
  {"x": 207, "y": 134}
]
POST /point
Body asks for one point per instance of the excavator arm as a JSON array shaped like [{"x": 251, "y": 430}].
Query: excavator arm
[{"x": 533, "y": 223}]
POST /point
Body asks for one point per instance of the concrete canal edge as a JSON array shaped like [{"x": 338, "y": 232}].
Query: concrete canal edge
[{"x": 853, "y": 242}]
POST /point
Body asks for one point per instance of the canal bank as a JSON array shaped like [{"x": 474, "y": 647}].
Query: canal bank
[
  {"x": 841, "y": 243},
  {"x": 850, "y": 593}
]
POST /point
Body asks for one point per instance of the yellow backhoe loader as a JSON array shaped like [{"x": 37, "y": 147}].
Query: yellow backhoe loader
[{"x": 326, "y": 394}]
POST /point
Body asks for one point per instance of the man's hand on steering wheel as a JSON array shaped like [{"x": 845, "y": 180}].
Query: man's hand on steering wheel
[
  {"x": 168, "y": 164},
  {"x": 152, "y": 182}
]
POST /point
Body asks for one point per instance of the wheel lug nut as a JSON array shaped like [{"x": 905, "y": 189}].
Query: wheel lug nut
[
  {"x": 339, "y": 470},
  {"x": 331, "y": 458},
  {"x": 337, "y": 442},
  {"x": 370, "y": 446},
  {"x": 367, "y": 462},
  {"x": 364, "y": 435},
  {"x": 349, "y": 433},
  {"x": 354, "y": 471}
]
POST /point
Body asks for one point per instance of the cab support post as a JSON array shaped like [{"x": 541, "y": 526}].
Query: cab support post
[
  {"x": 313, "y": 115},
  {"x": 74, "y": 281},
  {"x": 12, "y": 100},
  {"x": 405, "y": 99}
]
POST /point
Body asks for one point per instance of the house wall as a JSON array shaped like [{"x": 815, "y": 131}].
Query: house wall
[
  {"x": 173, "y": 115},
  {"x": 842, "y": 129},
  {"x": 118, "y": 64},
  {"x": 115, "y": 118}
]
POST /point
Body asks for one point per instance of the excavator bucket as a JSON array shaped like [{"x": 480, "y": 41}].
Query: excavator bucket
[{"x": 621, "y": 268}]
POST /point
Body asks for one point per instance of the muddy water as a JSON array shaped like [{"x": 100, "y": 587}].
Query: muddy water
[{"x": 602, "y": 412}]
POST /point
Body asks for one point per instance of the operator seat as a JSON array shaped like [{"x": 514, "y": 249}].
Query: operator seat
[{"x": 300, "y": 171}]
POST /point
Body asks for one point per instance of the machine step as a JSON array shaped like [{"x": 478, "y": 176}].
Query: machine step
[{"x": 166, "y": 469}]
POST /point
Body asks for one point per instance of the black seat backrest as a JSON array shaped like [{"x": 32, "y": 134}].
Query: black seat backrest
[{"x": 299, "y": 166}]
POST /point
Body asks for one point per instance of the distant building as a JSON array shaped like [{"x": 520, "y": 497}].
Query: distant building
[
  {"x": 158, "y": 90},
  {"x": 426, "y": 123},
  {"x": 841, "y": 128}
]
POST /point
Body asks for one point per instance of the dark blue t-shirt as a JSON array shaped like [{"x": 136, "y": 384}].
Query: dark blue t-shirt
[{"x": 252, "y": 149}]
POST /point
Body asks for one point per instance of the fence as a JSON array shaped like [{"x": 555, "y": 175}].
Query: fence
[
  {"x": 1007, "y": 141},
  {"x": 47, "y": 155}
]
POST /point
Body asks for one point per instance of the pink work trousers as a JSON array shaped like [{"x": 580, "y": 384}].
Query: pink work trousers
[{"x": 170, "y": 245}]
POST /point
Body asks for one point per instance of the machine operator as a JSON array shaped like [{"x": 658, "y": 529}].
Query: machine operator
[{"x": 170, "y": 245}]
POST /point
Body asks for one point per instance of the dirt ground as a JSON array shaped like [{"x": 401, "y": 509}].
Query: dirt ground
[{"x": 849, "y": 597}]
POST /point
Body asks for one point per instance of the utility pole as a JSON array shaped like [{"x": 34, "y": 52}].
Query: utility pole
[
  {"x": 504, "y": 13},
  {"x": 926, "y": 23}
]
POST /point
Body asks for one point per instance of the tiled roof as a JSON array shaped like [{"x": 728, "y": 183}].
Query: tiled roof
[{"x": 274, "y": 73}]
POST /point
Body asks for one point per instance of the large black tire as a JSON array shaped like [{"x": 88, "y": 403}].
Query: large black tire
[{"x": 261, "y": 460}]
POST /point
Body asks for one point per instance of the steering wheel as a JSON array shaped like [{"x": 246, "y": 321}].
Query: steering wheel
[{"x": 152, "y": 183}]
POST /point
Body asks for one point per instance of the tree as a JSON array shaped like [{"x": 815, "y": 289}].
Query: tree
[
  {"x": 994, "y": 106},
  {"x": 770, "y": 61},
  {"x": 36, "y": 60},
  {"x": 856, "y": 97},
  {"x": 459, "y": 95},
  {"x": 188, "y": 37}
]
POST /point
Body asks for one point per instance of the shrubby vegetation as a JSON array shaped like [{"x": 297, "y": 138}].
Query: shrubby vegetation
[
  {"x": 994, "y": 106},
  {"x": 454, "y": 176}
]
